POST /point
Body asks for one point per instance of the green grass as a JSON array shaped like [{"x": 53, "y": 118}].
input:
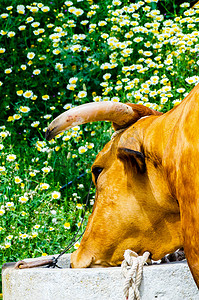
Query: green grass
[{"x": 56, "y": 55}]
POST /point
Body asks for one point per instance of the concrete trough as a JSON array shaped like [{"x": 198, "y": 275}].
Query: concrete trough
[{"x": 171, "y": 281}]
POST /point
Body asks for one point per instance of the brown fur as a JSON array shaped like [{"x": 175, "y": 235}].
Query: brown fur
[
  {"x": 157, "y": 211},
  {"x": 147, "y": 195}
]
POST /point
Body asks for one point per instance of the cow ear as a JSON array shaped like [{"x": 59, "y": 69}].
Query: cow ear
[
  {"x": 139, "y": 111},
  {"x": 135, "y": 156}
]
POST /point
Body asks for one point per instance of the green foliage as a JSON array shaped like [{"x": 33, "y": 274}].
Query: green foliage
[
  {"x": 56, "y": 55},
  {"x": 172, "y": 7}
]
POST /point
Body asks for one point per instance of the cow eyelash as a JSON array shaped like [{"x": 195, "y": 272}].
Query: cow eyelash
[{"x": 96, "y": 172}]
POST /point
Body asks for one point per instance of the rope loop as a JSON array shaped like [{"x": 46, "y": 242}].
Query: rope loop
[{"x": 132, "y": 268}]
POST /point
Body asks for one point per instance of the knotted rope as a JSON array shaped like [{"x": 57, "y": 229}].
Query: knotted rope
[{"x": 132, "y": 268}]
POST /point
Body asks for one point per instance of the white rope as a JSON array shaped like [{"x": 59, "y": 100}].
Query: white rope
[{"x": 132, "y": 268}]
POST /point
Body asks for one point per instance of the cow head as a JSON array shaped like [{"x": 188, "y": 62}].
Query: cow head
[{"x": 133, "y": 206}]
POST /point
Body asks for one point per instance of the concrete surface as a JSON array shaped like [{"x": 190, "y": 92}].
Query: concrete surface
[{"x": 166, "y": 282}]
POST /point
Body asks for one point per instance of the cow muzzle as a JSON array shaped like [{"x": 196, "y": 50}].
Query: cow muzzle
[{"x": 80, "y": 260}]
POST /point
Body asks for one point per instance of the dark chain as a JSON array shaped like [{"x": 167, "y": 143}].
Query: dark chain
[{"x": 74, "y": 240}]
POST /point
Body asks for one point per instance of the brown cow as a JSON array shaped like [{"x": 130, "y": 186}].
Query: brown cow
[{"x": 146, "y": 177}]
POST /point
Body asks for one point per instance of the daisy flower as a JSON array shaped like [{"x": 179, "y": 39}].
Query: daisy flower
[
  {"x": 2, "y": 211},
  {"x": 46, "y": 169},
  {"x": 82, "y": 149},
  {"x": 56, "y": 195},
  {"x": 21, "y": 9},
  {"x": 73, "y": 80},
  {"x": 180, "y": 90},
  {"x": 11, "y": 34},
  {"x": 23, "y": 199},
  {"x": 35, "y": 124},
  {"x": 34, "y": 9},
  {"x": 56, "y": 51},
  {"x": 9, "y": 237},
  {"x": 30, "y": 55},
  {"x": 3, "y": 134},
  {"x": 8, "y": 71},
  {"x": 82, "y": 94},
  {"x": 71, "y": 87},
  {"x": 24, "y": 109},
  {"x": 45, "y": 8},
  {"x": 45, "y": 97},
  {"x": 36, "y": 72},
  {"x": 9, "y": 204},
  {"x": 7, "y": 245},
  {"x": 44, "y": 186},
  {"x": 16, "y": 117},
  {"x": 28, "y": 94},
  {"x": 67, "y": 225},
  {"x": 36, "y": 226},
  {"x": 76, "y": 245},
  {"x": 79, "y": 206},
  {"x": 18, "y": 180},
  {"x": 11, "y": 157}
]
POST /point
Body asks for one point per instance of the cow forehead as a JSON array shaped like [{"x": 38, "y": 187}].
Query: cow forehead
[
  {"x": 129, "y": 139},
  {"x": 133, "y": 136},
  {"x": 121, "y": 139}
]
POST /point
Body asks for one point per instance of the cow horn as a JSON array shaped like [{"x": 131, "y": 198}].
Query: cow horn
[{"x": 122, "y": 115}]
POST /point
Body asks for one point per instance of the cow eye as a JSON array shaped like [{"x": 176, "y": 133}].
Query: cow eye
[{"x": 96, "y": 171}]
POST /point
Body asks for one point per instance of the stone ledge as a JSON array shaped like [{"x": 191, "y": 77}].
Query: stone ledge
[{"x": 171, "y": 281}]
